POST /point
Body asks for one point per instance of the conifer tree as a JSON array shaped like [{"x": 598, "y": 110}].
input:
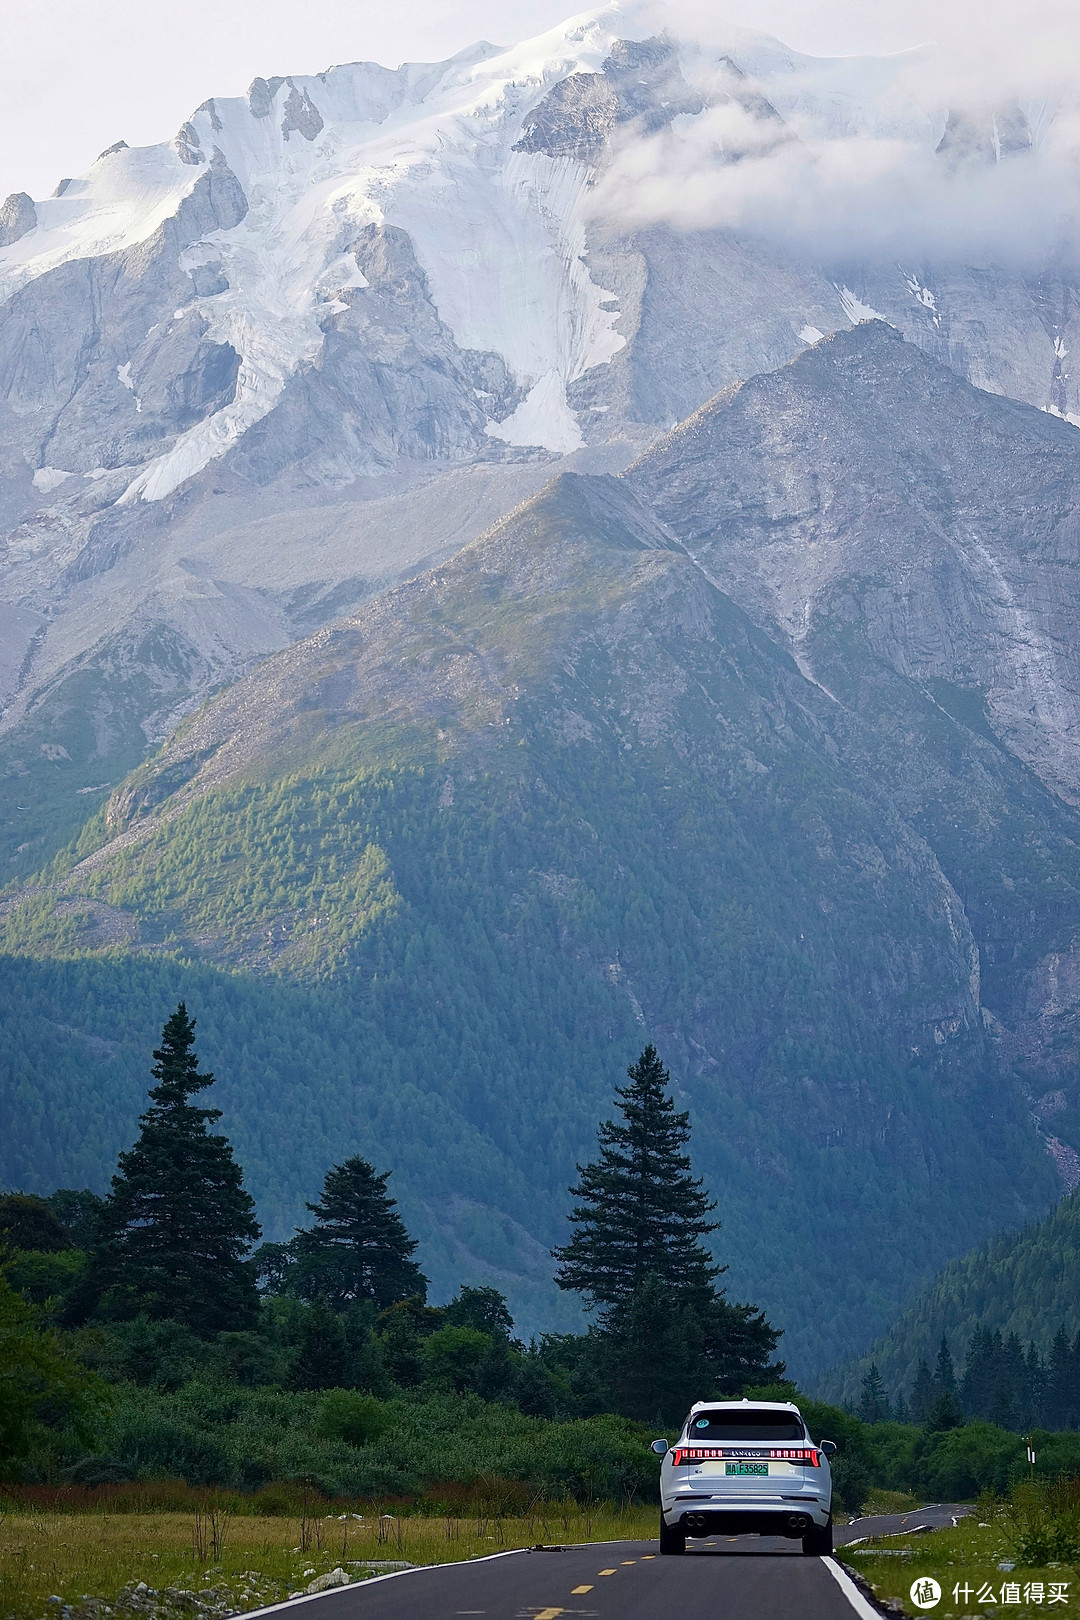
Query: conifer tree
[
  {"x": 922, "y": 1393},
  {"x": 1035, "y": 1387},
  {"x": 944, "y": 1372},
  {"x": 976, "y": 1384},
  {"x": 177, "y": 1223},
  {"x": 666, "y": 1335},
  {"x": 944, "y": 1410},
  {"x": 640, "y": 1212},
  {"x": 1059, "y": 1381},
  {"x": 873, "y": 1402},
  {"x": 358, "y": 1247}
]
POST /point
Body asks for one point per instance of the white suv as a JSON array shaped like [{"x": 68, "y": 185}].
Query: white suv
[{"x": 745, "y": 1467}]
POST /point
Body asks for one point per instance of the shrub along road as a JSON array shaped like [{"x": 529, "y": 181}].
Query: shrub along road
[{"x": 744, "y": 1578}]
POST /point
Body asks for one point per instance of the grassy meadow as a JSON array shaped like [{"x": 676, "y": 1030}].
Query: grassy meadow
[
  {"x": 81, "y": 1546},
  {"x": 1011, "y": 1548}
]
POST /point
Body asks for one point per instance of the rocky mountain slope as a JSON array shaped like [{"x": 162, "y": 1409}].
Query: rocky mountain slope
[
  {"x": 594, "y": 779},
  {"x": 338, "y": 326}
]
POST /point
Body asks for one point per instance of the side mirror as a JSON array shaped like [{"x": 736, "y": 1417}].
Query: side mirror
[
  {"x": 660, "y": 1447},
  {"x": 828, "y": 1447}
]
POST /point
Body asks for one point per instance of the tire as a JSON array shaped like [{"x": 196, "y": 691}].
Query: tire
[
  {"x": 818, "y": 1542},
  {"x": 672, "y": 1542}
]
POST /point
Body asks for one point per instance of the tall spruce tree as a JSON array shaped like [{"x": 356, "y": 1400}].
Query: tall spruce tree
[
  {"x": 177, "y": 1222},
  {"x": 666, "y": 1335},
  {"x": 873, "y": 1401},
  {"x": 358, "y": 1247},
  {"x": 944, "y": 1410},
  {"x": 1058, "y": 1370},
  {"x": 922, "y": 1393},
  {"x": 640, "y": 1212},
  {"x": 944, "y": 1371}
]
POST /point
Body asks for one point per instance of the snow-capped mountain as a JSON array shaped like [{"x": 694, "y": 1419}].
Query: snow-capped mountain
[{"x": 337, "y": 326}]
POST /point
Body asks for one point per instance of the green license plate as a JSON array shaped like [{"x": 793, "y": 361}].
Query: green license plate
[{"x": 746, "y": 1468}]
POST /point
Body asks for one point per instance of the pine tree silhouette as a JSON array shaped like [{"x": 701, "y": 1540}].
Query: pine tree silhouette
[
  {"x": 177, "y": 1224},
  {"x": 640, "y": 1213},
  {"x": 874, "y": 1402},
  {"x": 666, "y": 1334},
  {"x": 922, "y": 1393},
  {"x": 358, "y": 1247}
]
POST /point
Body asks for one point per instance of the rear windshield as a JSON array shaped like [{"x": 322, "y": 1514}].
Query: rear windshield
[{"x": 745, "y": 1425}]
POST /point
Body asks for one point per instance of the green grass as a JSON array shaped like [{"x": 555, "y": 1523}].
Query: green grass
[
  {"x": 882, "y": 1501},
  {"x": 80, "y": 1556},
  {"x": 969, "y": 1555}
]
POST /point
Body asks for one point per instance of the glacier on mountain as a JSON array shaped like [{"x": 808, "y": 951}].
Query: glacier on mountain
[
  {"x": 498, "y": 233},
  {"x": 334, "y": 327}
]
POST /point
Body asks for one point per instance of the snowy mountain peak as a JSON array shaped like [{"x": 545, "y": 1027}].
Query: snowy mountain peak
[
  {"x": 471, "y": 184},
  {"x": 287, "y": 177}
]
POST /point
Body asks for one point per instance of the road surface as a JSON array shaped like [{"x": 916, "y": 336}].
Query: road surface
[
  {"x": 738, "y": 1578},
  {"x": 938, "y": 1517}
]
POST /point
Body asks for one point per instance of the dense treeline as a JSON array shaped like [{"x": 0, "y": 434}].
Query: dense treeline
[
  {"x": 1002, "y": 1382},
  {"x": 145, "y": 1337},
  {"x": 156, "y": 1291}
]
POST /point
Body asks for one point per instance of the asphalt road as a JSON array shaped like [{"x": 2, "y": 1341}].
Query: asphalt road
[
  {"x": 738, "y": 1578},
  {"x": 938, "y": 1517}
]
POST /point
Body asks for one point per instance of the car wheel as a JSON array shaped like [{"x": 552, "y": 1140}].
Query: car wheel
[
  {"x": 818, "y": 1543},
  {"x": 671, "y": 1541}
]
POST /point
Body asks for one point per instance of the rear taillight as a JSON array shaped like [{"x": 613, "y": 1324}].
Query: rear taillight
[{"x": 809, "y": 1455}]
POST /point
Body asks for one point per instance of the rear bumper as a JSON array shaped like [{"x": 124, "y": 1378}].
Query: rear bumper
[{"x": 711, "y": 1519}]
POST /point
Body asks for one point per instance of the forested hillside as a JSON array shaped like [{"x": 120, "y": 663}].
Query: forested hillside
[{"x": 1025, "y": 1285}]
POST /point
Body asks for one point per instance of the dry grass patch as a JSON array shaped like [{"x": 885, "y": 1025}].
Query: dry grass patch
[{"x": 250, "y": 1561}]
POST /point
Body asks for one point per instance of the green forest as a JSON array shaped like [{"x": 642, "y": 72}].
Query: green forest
[
  {"x": 122, "y": 1311},
  {"x": 386, "y": 970},
  {"x": 151, "y": 1335}
]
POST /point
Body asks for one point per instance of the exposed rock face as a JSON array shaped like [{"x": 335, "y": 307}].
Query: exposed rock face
[
  {"x": 300, "y": 114},
  {"x": 17, "y": 216},
  {"x": 866, "y": 486},
  {"x": 241, "y": 351},
  {"x": 983, "y": 136},
  {"x": 640, "y": 83},
  {"x": 261, "y": 93}
]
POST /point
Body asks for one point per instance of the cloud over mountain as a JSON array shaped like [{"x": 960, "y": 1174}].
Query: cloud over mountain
[{"x": 964, "y": 149}]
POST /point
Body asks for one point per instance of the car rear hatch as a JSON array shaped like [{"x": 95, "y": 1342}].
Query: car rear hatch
[{"x": 746, "y": 1456}]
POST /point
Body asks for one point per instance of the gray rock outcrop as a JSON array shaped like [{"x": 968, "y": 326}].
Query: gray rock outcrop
[
  {"x": 18, "y": 216},
  {"x": 301, "y": 114}
]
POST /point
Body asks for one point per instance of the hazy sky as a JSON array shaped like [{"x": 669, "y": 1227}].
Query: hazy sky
[{"x": 77, "y": 75}]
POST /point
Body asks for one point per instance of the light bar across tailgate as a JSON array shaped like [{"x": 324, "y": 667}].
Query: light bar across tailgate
[{"x": 808, "y": 1455}]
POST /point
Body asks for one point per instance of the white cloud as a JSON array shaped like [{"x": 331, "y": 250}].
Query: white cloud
[{"x": 851, "y": 167}]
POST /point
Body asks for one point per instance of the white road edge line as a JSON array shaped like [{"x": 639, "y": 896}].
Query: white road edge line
[
  {"x": 373, "y": 1580},
  {"x": 859, "y": 1603},
  {"x": 392, "y": 1575}
]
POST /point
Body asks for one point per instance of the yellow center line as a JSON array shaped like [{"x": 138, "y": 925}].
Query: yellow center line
[
  {"x": 646, "y": 1556},
  {"x": 627, "y": 1561},
  {"x": 607, "y": 1572},
  {"x": 549, "y": 1614},
  {"x": 577, "y": 1591}
]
